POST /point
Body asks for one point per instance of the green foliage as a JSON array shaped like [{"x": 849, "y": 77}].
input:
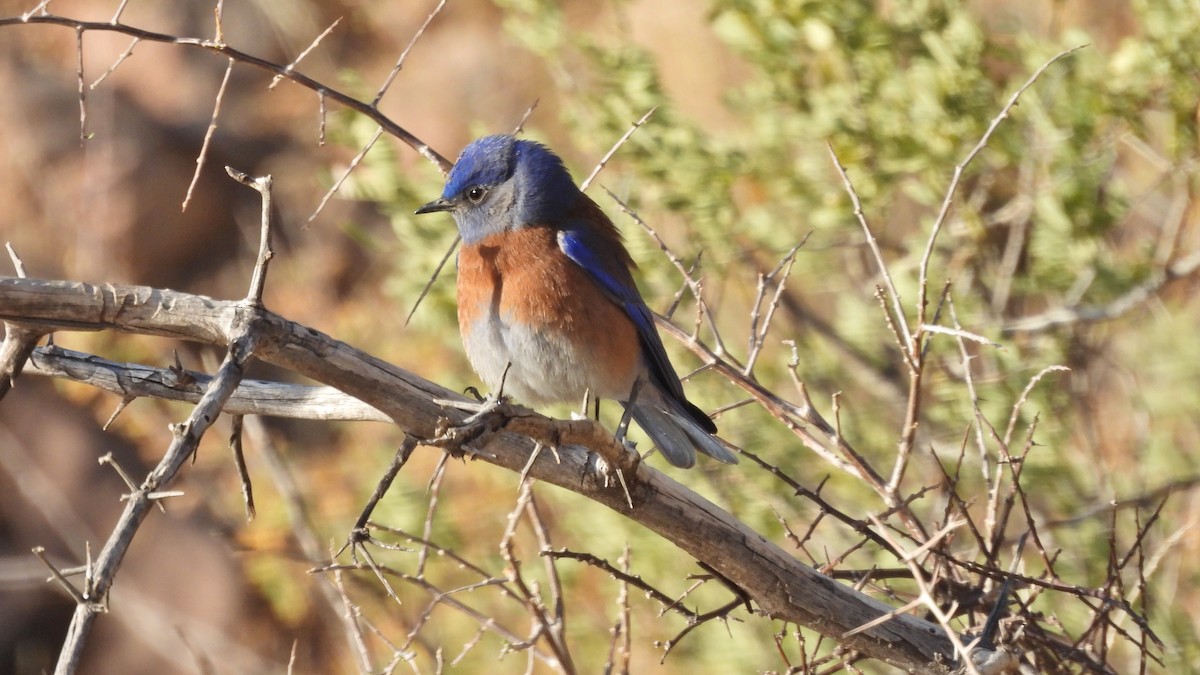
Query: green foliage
[
  {"x": 420, "y": 242},
  {"x": 901, "y": 91}
]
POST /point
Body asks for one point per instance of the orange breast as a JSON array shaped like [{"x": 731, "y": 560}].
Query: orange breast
[{"x": 521, "y": 298}]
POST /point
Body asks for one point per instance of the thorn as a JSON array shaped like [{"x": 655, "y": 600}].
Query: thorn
[
  {"x": 164, "y": 494},
  {"x": 628, "y": 497},
  {"x": 537, "y": 450},
  {"x": 125, "y": 401},
  {"x": 56, "y": 575}
]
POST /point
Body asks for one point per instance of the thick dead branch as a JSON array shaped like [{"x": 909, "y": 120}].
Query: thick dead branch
[
  {"x": 252, "y": 397},
  {"x": 186, "y": 438},
  {"x": 780, "y": 585},
  {"x": 19, "y": 343}
]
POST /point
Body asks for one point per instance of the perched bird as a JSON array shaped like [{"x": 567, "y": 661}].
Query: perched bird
[{"x": 545, "y": 292}]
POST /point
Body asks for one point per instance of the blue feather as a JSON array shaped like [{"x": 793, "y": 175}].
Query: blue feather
[{"x": 573, "y": 242}]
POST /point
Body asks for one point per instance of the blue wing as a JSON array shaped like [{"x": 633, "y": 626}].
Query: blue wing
[{"x": 610, "y": 269}]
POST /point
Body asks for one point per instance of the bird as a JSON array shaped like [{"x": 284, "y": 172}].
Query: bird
[{"x": 547, "y": 304}]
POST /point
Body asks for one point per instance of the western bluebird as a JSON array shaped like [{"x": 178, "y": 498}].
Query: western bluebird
[{"x": 545, "y": 292}]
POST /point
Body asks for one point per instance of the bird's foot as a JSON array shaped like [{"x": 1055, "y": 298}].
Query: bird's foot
[
  {"x": 610, "y": 475},
  {"x": 480, "y": 404},
  {"x": 488, "y": 407},
  {"x": 487, "y": 416}
]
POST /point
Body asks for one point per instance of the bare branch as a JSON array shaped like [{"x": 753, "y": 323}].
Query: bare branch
[
  {"x": 19, "y": 344},
  {"x": 83, "y": 133},
  {"x": 517, "y": 130},
  {"x": 113, "y": 68},
  {"x": 373, "y": 113},
  {"x": 57, "y": 575},
  {"x": 261, "y": 185},
  {"x": 187, "y": 437},
  {"x": 402, "y": 454},
  {"x": 758, "y": 335},
  {"x": 897, "y": 314},
  {"x": 959, "y": 333},
  {"x": 1133, "y": 298},
  {"x": 300, "y": 57},
  {"x": 337, "y": 184},
  {"x": 703, "y": 310},
  {"x": 782, "y": 586},
  {"x": 252, "y": 397},
  {"x": 239, "y": 461},
  {"x": 387, "y": 83},
  {"x": 208, "y": 134},
  {"x": 429, "y": 284},
  {"x": 935, "y": 229},
  {"x": 587, "y": 182}
]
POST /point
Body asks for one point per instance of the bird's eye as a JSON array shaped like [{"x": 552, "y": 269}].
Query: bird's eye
[{"x": 476, "y": 194}]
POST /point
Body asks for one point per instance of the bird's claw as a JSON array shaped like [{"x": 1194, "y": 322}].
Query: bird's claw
[
  {"x": 487, "y": 416},
  {"x": 487, "y": 407},
  {"x": 610, "y": 475}
]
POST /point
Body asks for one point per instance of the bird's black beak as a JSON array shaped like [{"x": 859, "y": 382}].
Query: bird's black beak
[{"x": 439, "y": 204}]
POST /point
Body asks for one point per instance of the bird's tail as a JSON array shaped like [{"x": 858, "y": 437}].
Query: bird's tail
[{"x": 671, "y": 426}]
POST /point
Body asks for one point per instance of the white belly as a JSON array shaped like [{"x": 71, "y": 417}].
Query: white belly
[{"x": 542, "y": 370}]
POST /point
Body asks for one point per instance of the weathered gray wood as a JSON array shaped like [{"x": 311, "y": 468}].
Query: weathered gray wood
[
  {"x": 782, "y": 586},
  {"x": 252, "y": 397}
]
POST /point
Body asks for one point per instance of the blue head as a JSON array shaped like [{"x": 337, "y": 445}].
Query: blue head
[{"x": 500, "y": 183}]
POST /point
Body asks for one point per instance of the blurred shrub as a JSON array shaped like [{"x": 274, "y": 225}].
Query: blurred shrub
[{"x": 1071, "y": 204}]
